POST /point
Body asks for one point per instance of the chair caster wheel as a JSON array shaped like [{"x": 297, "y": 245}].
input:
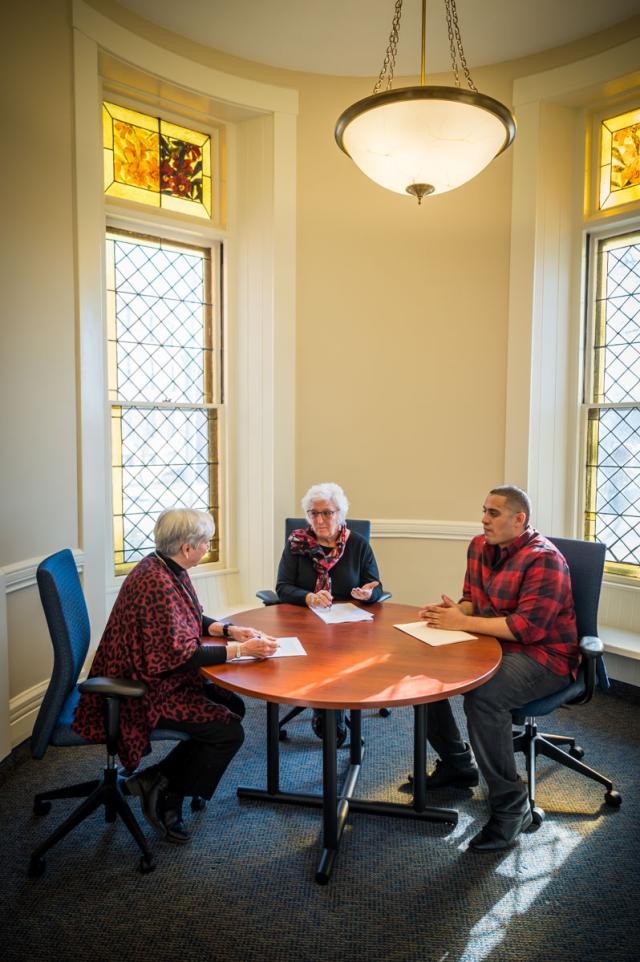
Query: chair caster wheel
[
  {"x": 384, "y": 712},
  {"x": 576, "y": 752},
  {"x": 41, "y": 808},
  {"x": 37, "y": 865},
  {"x": 282, "y": 735},
  {"x": 538, "y": 818},
  {"x": 146, "y": 865},
  {"x": 198, "y": 804},
  {"x": 613, "y": 798}
]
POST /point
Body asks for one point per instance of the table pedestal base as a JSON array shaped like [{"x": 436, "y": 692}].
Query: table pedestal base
[{"x": 337, "y": 805}]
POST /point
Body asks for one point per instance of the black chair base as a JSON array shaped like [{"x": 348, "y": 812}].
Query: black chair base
[
  {"x": 533, "y": 743},
  {"x": 106, "y": 792},
  {"x": 283, "y": 735}
]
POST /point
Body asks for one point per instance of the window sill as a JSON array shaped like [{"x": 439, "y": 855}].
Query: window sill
[{"x": 618, "y": 641}]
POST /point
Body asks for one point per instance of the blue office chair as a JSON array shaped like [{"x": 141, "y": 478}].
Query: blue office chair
[
  {"x": 363, "y": 528},
  {"x": 68, "y": 622},
  {"x": 586, "y": 566}
]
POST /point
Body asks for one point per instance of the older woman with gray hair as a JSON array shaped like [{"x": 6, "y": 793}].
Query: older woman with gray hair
[
  {"x": 327, "y": 562},
  {"x": 154, "y": 635}
]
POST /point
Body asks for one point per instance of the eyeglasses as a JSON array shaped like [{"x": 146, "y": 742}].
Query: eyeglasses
[{"x": 325, "y": 515}]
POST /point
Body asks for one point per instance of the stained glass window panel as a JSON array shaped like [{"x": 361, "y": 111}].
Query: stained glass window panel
[
  {"x": 161, "y": 458},
  {"x": 160, "y": 324},
  {"x": 620, "y": 159},
  {"x": 153, "y": 162}
]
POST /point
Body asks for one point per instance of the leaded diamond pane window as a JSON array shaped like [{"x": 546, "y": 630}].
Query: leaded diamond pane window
[
  {"x": 162, "y": 387},
  {"x": 612, "y": 512}
]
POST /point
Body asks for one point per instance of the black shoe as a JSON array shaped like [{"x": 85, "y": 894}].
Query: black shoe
[
  {"x": 446, "y": 775},
  {"x": 317, "y": 723},
  {"x": 500, "y": 833},
  {"x": 148, "y": 786},
  {"x": 170, "y": 812}
]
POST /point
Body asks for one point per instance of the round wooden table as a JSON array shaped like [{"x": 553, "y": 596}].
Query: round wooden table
[{"x": 367, "y": 664}]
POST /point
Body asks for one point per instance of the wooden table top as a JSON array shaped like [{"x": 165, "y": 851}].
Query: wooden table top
[{"x": 366, "y": 664}]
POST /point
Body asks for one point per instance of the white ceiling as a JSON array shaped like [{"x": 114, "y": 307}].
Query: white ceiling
[{"x": 350, "y": 36}]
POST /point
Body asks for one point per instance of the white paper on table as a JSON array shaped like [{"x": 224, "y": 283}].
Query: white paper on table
[
  {"x": 337, "y": 614},
  {"x": 286, "y": 648},
  {"x": 434, "y": 636}
]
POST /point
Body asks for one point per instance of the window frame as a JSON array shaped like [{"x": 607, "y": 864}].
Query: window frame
[
  {"x": 213, "y": 384},
  {"x": 121, "y": 216}
]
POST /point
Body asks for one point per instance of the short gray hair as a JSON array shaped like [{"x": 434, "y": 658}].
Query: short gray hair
[
  {"x": 178, "y": 526},
  {"x": 517, "y": 499},
  {"x": 327, "y": 491}
]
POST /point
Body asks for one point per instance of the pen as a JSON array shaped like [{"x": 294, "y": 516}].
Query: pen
[{"x": 330, "y": 591}]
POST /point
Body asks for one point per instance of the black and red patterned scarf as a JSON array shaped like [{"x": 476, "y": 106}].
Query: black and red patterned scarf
[{"x": 303, "y": 541}]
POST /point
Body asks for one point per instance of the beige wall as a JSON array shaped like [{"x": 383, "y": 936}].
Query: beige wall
[
  {"x": 38, "y": 380},
  {"x": 402, "y": 315},
  {"x": 401, "y": 320},
  {"x": 38, "y": 332}
]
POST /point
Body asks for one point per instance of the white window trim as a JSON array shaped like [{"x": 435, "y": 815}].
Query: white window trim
[{"x": 260, "y": 311}]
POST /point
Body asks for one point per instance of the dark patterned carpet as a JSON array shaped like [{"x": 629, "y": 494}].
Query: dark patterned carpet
[{"x": 244, "y": 889}]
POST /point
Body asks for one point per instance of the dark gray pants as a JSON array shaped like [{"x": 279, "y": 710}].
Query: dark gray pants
[
  {"x": 196, "y": 766},
  {"x": 519, "y": 680}
]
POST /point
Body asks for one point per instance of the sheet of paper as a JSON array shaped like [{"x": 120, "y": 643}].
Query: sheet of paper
[
  {"x": 433, "y": 636},
  {"x": 287, "y": 647},
  {"x": 337, "y": 614}
]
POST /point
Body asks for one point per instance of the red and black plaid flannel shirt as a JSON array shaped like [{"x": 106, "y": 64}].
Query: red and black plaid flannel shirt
[{"x": 527, "y": 582}]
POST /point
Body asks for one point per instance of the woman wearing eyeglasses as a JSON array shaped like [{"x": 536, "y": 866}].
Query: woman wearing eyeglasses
[{"x": 327, "y": 562}]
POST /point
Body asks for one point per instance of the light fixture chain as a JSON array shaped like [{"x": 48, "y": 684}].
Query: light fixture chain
[
  {"x": 452, "y": 46},
  {"x": 452, "y": 21},
  {"x": 389, "y": 63}
]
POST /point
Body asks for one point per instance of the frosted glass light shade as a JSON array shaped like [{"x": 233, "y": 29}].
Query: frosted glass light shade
[{"x": 439, "y": 137}]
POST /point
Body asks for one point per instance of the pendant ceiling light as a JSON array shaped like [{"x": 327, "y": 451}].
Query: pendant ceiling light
[{"x": 427, "y": 139}]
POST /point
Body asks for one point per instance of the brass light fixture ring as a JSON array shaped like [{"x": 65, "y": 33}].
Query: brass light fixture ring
[{"x": 401, "y": 94}]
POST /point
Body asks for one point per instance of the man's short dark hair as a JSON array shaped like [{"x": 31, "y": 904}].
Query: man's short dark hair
[{"x": 517, "y": 499}]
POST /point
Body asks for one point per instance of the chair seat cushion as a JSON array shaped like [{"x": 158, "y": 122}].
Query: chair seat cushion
[{"x": 544, "y": 706}]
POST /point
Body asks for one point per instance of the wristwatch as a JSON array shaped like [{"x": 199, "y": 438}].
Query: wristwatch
[{"x": 225, "y": 631}]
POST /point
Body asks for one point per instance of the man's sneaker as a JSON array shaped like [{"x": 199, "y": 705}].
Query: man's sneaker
[{"x": 447, "y": 775}]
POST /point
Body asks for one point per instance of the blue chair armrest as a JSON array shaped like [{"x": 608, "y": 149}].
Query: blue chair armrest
[
  {"x": 114, "y": 687},
  {"x": 268, "y": 597},
  {"x": 591, "y": 647}
]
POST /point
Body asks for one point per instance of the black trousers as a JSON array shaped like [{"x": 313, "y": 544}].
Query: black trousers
[{"x": 195, "y": 767}]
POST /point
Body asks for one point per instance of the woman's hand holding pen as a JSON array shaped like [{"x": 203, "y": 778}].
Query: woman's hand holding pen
[
  {"x": 259, "y": 646},
  {"x": 364, "y": 593}
]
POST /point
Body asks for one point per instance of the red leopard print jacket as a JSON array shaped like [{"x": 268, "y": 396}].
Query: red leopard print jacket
[{"x": 155, "y": 626}]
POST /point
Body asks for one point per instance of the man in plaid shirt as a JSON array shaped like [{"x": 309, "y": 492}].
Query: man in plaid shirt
[{"x": 517, "y": 587}]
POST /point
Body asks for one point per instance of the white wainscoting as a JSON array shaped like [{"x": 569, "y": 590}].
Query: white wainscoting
[{"x": 18, "y": 713}]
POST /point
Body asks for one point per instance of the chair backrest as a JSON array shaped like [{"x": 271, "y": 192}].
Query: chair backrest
[
  {"x": 363, "y": 528},
  {"x": 586, "y": 566},
  {"x": 66, "y": 613}
]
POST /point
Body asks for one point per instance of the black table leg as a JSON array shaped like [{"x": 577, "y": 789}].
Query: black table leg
[
  {"x": 337, "y": 805},
  {"x": 273, "y": 748},
  {"x": 419, "y": 757}
]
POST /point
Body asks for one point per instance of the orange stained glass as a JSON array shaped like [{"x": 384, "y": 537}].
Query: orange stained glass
[
  {"x": 153, "y": 162},
  {"x": 620, "y": 159}
]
